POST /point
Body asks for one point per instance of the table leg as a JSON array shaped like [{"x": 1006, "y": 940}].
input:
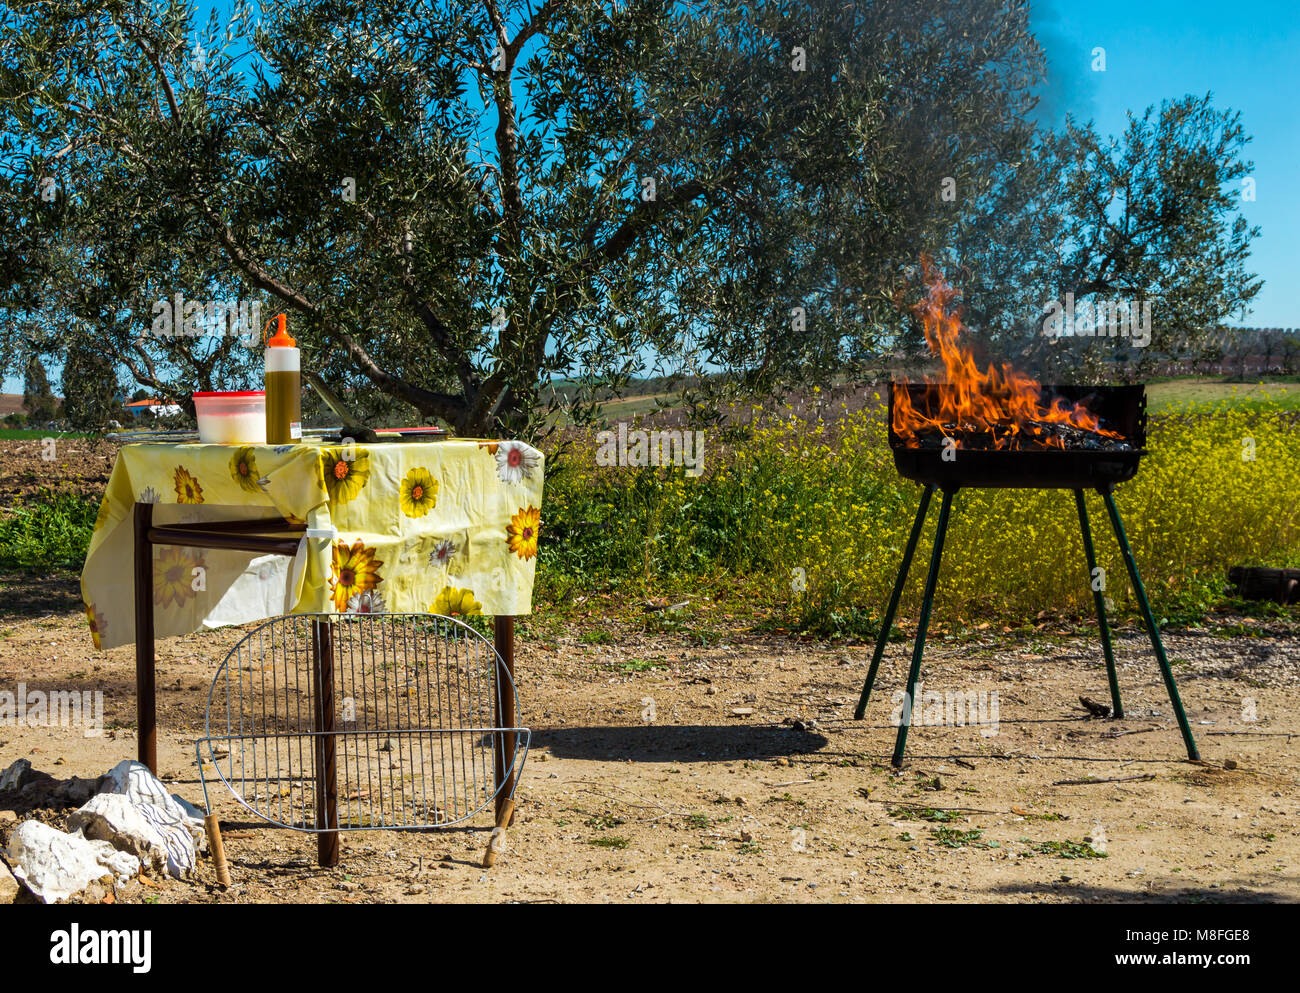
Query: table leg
[
  {"x": 146, "y": 715},
  {"x": 503, "y": 630},
  {"x": 327, "y": 798}
]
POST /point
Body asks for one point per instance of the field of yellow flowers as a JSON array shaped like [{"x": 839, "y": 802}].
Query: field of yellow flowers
[{"x": 810, "y": 517}]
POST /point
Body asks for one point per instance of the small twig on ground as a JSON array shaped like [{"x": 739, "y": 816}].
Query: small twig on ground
[
  {"x": 651, "y": 608},
  {"x": 1121, "y": 734},
  {"x": 793, "y": 782},
  {"x": 931, "y": 806},
  {"x": 1258, "y": 734},
  {"x": 1113, "y": 779},
  {"x": 647, "y": 805}
]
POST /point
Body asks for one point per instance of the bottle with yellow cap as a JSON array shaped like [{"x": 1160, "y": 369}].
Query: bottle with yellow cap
[{"x": 283, "y": 387}]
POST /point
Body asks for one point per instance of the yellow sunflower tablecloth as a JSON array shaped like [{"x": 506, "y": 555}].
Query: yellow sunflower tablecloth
[{"x": 448, "y": 527}]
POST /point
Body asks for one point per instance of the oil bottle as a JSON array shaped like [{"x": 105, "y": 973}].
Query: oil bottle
[{"x": 283, "y": 387}]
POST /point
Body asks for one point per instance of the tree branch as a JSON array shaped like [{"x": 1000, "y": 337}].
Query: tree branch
[
  {"x": 448, "y": 406},
  {"x": 535, "y": 24}
]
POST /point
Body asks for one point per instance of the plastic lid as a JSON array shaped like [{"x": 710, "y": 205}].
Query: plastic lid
[
  {"x": 281, "y": 337},
  {"x": 232, "y": 393}
]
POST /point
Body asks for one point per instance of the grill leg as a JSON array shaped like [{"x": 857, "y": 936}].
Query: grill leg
[
  {"x": 1152, "y": 629},
  {"x": 1099, "y": 599},
  {"x": 888, "y": 621},
  {"x": 327, "y": 799},
  {"x": 927, "y": 601}
]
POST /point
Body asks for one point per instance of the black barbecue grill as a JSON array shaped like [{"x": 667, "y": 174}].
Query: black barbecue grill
[
  {"x": 1120, "y": 408},
  {"x": 1087, "y": 461}
]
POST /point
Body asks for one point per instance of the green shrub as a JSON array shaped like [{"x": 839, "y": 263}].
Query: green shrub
[
  {"x": 50, "y": 531},
  {"x": 812, "y": 518}
]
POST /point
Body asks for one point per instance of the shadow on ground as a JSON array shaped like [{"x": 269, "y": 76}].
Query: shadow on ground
[
  {"x": 31, "y": 594},
  {"x": 674, "y": 743},
  {"x": 1230, "y": 892}
]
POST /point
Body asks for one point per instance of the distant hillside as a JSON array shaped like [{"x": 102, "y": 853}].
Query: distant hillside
[{"x": 11, "y": 403}]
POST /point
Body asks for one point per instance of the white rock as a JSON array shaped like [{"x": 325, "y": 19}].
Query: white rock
[
  {"x": 76, "y": 791},
  {"x": 139, "y": 785},
  {"x": 175, "y": 825},
  {"x": 128, "y": 827},
  {"x": 57, "y": 866},
  {"x": 16, "y": 776},
  {"x": 191, "y": 811},
  {"x": 123, "y": 864}
]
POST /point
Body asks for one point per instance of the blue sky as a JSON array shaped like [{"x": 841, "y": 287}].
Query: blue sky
[
  {"x": 1161, "y": 49},
  {"x": 1245, "y": 54}
]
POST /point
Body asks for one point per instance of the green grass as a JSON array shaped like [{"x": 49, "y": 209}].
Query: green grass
[
  {"x": 639, "y": 665},
  {"x": 27, "y": 434},
  {"x": 51, "y": 531},
  {"x": 1181, "y": 394},
  {"x": 1069, "y": 850},
  {"x": 952, "y": 838},
  {"x": 924, "y": 814},
  {"x": 1162, "y": 395}
]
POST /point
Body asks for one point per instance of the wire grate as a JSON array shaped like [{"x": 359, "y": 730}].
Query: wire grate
[{"x": 322, "y": 722}]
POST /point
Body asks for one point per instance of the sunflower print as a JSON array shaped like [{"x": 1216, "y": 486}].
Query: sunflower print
[
  {"x": 174, "y": 575},
  {"x": 491, "y": 446},
  {"x": 101, "y": 518},
  {"x": 456, "y": 603},
  {"x": 354, "y": 570},
  {"x": 522, "y": 531},
  {"x": 418, "y": 493},
  {"x": 188, "y": 489},
  {"x": 243, "y": 467},
  {"x": 97, "y": 626},
  {"x": 346, "y": 471}
]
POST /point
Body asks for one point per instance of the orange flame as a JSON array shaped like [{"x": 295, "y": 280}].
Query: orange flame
[{"x": 998, "y": 400}]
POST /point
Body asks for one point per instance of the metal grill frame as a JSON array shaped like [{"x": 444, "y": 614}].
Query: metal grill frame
[
  {"x": 503, "y": 749},
  {"x": 1123, "y": 408}
]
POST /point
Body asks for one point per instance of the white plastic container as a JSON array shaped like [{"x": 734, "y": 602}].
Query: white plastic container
[{"x": 232, "y": 418}]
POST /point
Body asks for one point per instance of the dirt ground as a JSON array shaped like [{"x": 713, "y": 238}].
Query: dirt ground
[
  {"x": 754, "y": 783},
  {"x": 70, "y": 465}
]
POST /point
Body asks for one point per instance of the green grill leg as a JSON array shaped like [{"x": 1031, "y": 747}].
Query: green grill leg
[
  {"x": 1099, "y": 598},
  {"x": 927, "y": 601},
  {"x": 1152, "y": 629},
  {"x": 892, "y": 609}
]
